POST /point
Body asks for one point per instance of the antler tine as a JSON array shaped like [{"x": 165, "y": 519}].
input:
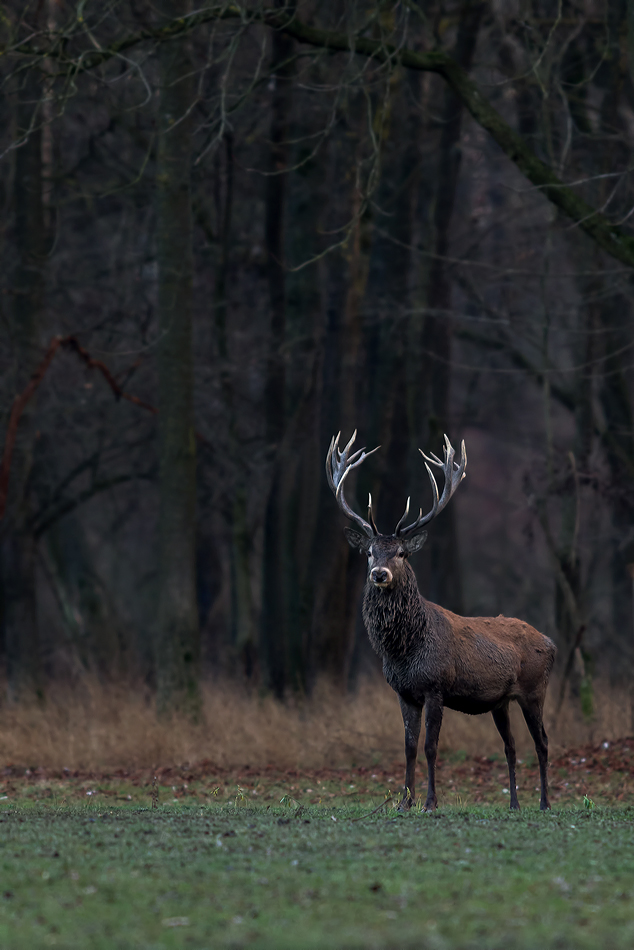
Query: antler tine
[
  {"x": 397, "y": 529},
  {"x": 338, "y": 467},
  {"x": 334, "y": 442},
  {"x": 453, "y": 477},
  {"x": 344, "y": 455},
  {"x": 421, "y": 520},
  {"x": 371, "y": 514},
  {"x": 343, "y": 461}
]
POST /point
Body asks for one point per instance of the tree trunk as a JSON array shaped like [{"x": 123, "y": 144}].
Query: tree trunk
[
  {"x": 618, "y": 443},
  {"x": 570, "y": 607},
  {"x": 388, "y": 303},
  {"x": 616, "y": 391},
  {"x": 94, "y": 630},
  {"x": 242, "y": 628},
  {"x": 273, "y": 646},
  {"x": 17, "y": 543},
  {"x": 178, "y": 636},
  {"x": 441, "y": 561},
  {"x": 337, "y": 604}
]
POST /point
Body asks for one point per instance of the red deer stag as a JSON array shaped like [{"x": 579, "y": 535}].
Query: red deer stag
[{"x": 431, "y": 657}]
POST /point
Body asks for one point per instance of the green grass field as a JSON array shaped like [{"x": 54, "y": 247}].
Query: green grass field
[{"x": 234, "y": 874}]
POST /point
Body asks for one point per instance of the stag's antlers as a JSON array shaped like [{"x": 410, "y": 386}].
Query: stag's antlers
[
  {"x": 339, "y": 465},
  {"x": 453, "y": 477}
]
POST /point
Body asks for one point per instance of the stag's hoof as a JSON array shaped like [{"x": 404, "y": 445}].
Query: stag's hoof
[
  {"x": 544, "y": 806},
  {"x": 405, "y": 804},
  {"x": 514, "y": 806},
  {"x": 430, "y": 805}
]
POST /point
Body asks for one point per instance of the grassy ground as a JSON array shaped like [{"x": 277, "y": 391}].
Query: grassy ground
[
  {"x": 237, "y": 875},
  {"x": 281, "y": 860}
]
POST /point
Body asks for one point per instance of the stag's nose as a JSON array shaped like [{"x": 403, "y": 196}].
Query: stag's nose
[{"x": 381, "y": 576}]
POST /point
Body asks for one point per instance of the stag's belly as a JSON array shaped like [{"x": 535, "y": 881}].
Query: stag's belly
[
  {"x": 473, "y": 707},
  {"x": 475, "y": 697},
  {"x": 460, "y": 692}
]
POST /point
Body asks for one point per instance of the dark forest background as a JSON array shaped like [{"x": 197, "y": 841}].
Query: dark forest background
[{"x": 267, "y": 223}]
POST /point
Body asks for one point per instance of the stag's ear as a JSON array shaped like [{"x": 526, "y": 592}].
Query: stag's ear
[
  {"x": 360, "y": 542},
  {"x": 412, "y": 545}
]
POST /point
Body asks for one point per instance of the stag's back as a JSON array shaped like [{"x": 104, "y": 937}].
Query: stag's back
[{"x": 502, "y": 653}]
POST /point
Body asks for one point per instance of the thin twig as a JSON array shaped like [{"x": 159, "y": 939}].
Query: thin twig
[
  {"x": 378, "y": 808},
  {"x": 19, "y": 405},
  {"x": 22, "y": 400}
]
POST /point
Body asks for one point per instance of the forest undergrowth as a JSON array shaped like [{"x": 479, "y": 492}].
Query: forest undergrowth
[{"x": 93, "y": 725}]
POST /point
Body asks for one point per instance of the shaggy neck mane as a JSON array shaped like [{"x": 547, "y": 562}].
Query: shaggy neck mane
[{"x": 395, "y": 617}]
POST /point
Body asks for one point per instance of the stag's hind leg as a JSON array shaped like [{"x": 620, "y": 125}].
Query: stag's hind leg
[
  {"x": 532, "y": 707},
  {"x": 503, "y": 723}
]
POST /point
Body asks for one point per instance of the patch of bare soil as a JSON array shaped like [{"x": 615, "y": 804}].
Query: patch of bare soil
[{"x": 602, "y": 772}]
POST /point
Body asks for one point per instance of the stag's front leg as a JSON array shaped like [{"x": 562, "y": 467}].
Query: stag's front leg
[
  {"x": 433, "y": 722},
  {"x": 412, "y": 716}
]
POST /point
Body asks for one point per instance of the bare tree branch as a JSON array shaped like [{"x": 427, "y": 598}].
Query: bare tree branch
[
  {"x": 610, "y": 237},
  {"x": 22, "y": 399}
]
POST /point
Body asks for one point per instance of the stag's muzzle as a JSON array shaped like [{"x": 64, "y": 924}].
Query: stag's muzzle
[{"x": 381, "y": 576}]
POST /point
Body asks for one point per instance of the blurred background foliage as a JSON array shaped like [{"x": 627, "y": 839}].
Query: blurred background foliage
[{"x": 271, "y": 222}]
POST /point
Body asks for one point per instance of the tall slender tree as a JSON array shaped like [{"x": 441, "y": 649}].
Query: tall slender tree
[
  {"x": 274, "y": 570},
  {"x": 178, "y": 637},
  {"x": 17, "y": 543},
  {"x": 435, "y": 377}
]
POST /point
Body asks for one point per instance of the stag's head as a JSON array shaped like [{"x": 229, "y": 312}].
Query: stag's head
[{"x": 387, "y": 553}]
